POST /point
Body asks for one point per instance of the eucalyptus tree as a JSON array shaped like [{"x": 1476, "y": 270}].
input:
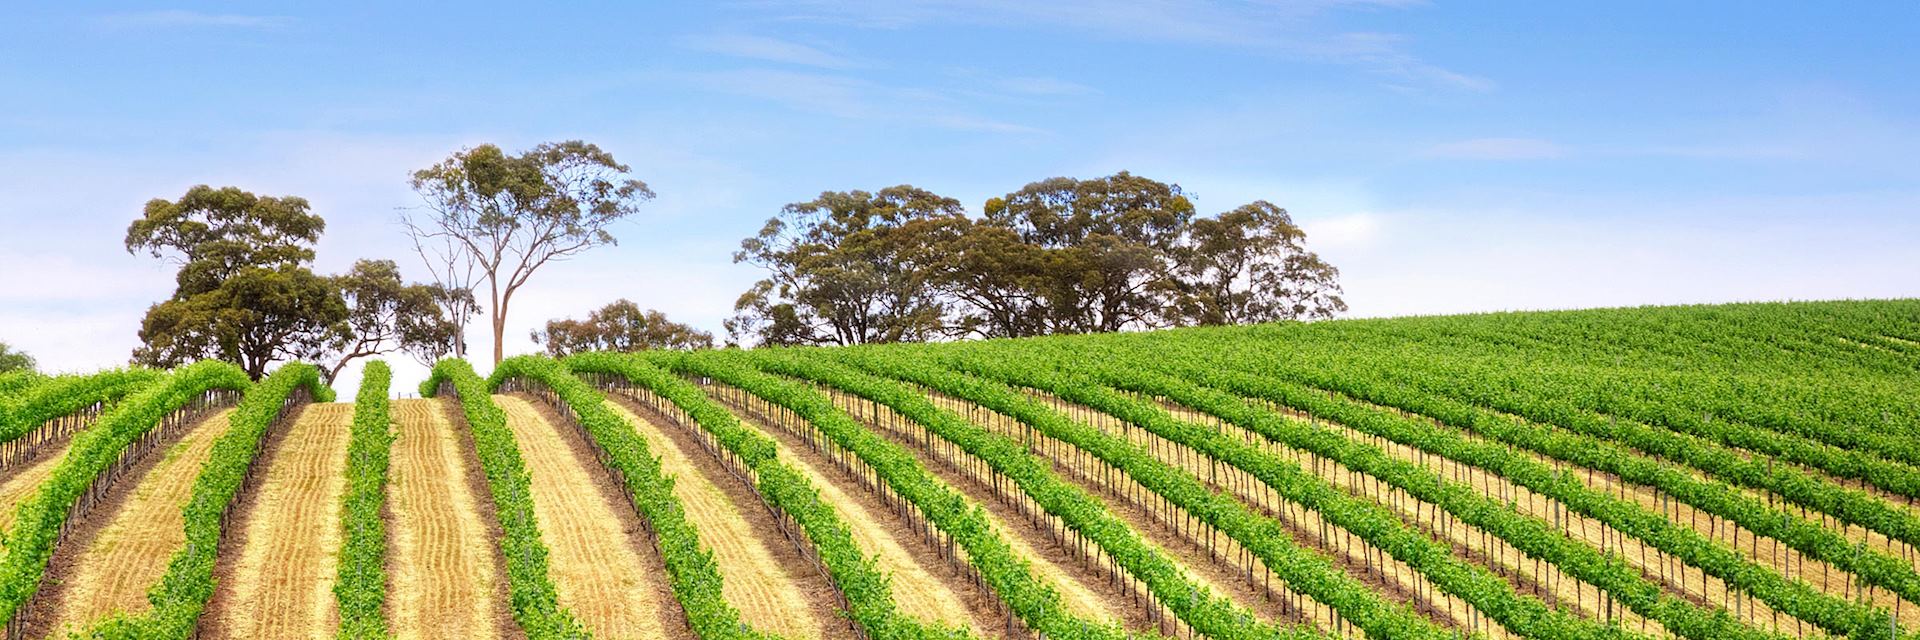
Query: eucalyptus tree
[
  {"x": 850, "y": 267},
  {"x": 514, "y": 213}
]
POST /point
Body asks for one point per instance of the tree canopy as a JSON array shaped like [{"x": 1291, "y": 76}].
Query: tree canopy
[
  {"x": 1093, "y": 255},
  {"x": 13, "y": 360},
  {"x": 513, "y": 214},
  {"x": 245, "y": 292},
  {"x": 619, "y": 326},
  {"x": 385, "y": 314},
  {"x": 849, "y": 268},
  {"x": 1251, "y": 265},
  {"x": 1061, "y": 255}
]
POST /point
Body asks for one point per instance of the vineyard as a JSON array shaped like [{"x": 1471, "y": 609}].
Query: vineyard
[{"x": 1711, "y": 472}]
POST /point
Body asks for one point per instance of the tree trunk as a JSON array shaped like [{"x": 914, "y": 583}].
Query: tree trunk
[
  {"x": 499, "y": 319},
  {"x": 500, "y": 327},
  {"x": 333, "y": 373},
  {"x": 499, "y": 342}
]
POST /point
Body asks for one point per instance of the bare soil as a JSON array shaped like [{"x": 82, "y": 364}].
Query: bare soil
[
  {"x": 120, "y": 548},
  {"x": 774, "y": 587},
  {"x": 281, "y": 555},
  {"x": 604, "y": 567}
]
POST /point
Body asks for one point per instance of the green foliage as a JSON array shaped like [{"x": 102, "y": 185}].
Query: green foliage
[
  {"x": 1007, "y": 574},
  {"x": 1372, "y": 375},
  {"x": 217, "y": 232},
  {"x": 509, "y": 215},
  {"x": 865, "y": 587},
  {"x": 64, "y": 395},
  {"x": 1251, "y": 265},
  {"x": 620, "y": 326},
  {"x": 17, "y": 381},
  {"x": 694, "y": 576},
  {"x": 384, "y": 314},
  {"x": 536, "y": 606},
  {"x": 1375, "y": 523},
  {"x": 1213, "y": 616},
  {"x": 1835, "y": 614},
  {"x": 182, "y": 593},
  {"x": 1058, "y": 256},
  {"x": 1699, "y": 403},
  {"x": 1093, "y": 254},
  {"x": 1529, "y": 535},
  {"x": 38, "y": 520},
  {"x": 1303, "y": 571},
  {"x": 244, "y": 293},
  {"x": 849, "y": 268},
  {"x": 361, "y": 590},
  {"x": 12, "y": 361},
  {"x": 257, "y": 317}
]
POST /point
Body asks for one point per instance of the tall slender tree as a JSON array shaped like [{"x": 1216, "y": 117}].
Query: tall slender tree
[
  {"x": 514, "y": 214},
  {"x": 451, "y": 267}
]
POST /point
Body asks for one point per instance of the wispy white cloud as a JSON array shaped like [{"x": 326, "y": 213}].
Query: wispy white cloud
[
  {"x": 1017, "y": 85},
  {"x": 1498, "y": 149},
  {"x": 987, "y": 125},
  {"x": 1154, "y": 20},
  {"x": 1387, "y": 55},
  {"x": 1290, "y": 29},
  {"x": 768, "y": 49},
  {"x": 1342, "y": 231},
  {"x": 852, "y": 98},
  {"x": 804, "y": 91},
  {"x": 181, "y": 18}
]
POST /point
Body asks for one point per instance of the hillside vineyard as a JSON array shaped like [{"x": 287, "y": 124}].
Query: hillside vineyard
[{"x": 1715, "y": 472}]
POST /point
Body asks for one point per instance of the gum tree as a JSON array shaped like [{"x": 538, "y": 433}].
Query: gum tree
[{"x": 513, "y": 214}]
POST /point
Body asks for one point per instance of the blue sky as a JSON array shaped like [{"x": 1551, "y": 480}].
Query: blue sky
[{"x": 1446, "y": 156}]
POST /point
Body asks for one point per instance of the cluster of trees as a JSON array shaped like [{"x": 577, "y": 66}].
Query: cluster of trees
[
  {"x": 620, "y": 326},
  {"x": 1058, "y": 256},
  {"x": 246, "y": 292},
  {"x": 900, "y": 265}
]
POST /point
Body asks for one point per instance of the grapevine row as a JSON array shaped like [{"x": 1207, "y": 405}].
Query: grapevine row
[
  {"x": 1793, "y": 598},
  {"x": 1529, "y": 535},
  {"x": 1079, "y": 512},
  {"x": 181, "y": 594},
  {"x": 1592, "y": 448},
  {"x": 865, "y": 589},
  {"x": 695, "y": 578},
  {"x": 1302, "y": 570},
  {"x": 98, "y": 457},
  {"x": 1700, "y": 443},
  {"x": 1876, "y": 569},
  {"x": 536, "y": 606},
  {"x": 52, "y": 409},
  {"x": 1030, "y": 599},
  {"x": 1488, "y": 593},
  {"x": 361, "y": 590}
]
